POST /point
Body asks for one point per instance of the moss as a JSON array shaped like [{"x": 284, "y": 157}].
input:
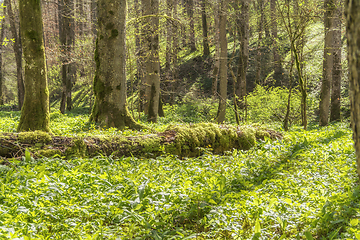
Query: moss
[
  {"x": 34, "y": 137},
  {"x": 77, "y": 149},
  {"x": 109, "y": 26},
  {"x": 247, "y": 138},
  {"x": 111, "y": 12},
  {"x": 151, "y": 144},
  {"x": 114, "y": 33},
  {"x": 49, "y": 152}
]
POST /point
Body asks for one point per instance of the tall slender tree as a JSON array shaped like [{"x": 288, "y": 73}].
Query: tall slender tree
[
  {"x": 18, "y": 53},
  {"x": 110, "y": 108},
  {"x": 35, "y": 111},
  {"x": 336, "y": 72},
  {"x": 190, "y": 11},
  {"x": 151, "y": 41},
  {"x": 278, "y": 71},
  {"x": 223, "y": 62},
  {"x": 206, "y": 48},
  {"x": 2, "y": 33},
  {"x": 329, "y": 6}
]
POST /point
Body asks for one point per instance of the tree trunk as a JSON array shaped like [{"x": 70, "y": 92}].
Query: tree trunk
[
  {"x": 206, "y": 48},
  {"x": 223, "y": 62},
  {"x": 336, "y": 73},
  {"x": 278, "y": 71},
  {"x": 190, "y": 12},
  {"x": 2, "y": 31},
  {"x": 35, "y": 111},
  {"x": 217, "y": 50},
  {"x": 169, "y": 34},
  {"x": 152, "y": 62},
  {"x": 327, "y": 63},
  {"x": 93, "y": 7},
  {"x": 110, "y": 108},
  {"x": 18, "y": 54},
  {"x": 352, "y": 9},
  {"x": 243, "y": 32},
  {"x": 259, "y": 47}
]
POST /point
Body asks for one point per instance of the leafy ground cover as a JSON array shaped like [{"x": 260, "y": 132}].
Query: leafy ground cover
[{"x": 301, "y": 187}]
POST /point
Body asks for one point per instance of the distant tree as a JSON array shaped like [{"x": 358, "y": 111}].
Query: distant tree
[
  {"x": 223, "y": 62},
  {"x": 18, "y": 53},
  {"x": 329, "y": 6},
  {"x": 190, "y": 11},
  {"x": 110, "y": 108},
  {"x": 260, "y": 26},
  {"x": 352, "y": 9},
  {"x": 278, "y": 71},
  {"x": 35, "y": 111}
]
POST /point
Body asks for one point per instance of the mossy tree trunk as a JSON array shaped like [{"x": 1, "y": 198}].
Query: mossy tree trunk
[
  {"x": 151, "y": 37},
  {"x": 352, "y": 9},
  {"x": 278, "y": 70},
  {"x": 223, "y": 62},
  {"x": 2, "y": 31},
  {"x": 190, "y": 11},
  {"x": 110, "y": 108},
  {"x": 18, "y": 54},
  {"x": 35, "y": 111}
]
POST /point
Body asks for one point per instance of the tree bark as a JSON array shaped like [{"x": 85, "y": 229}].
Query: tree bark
[
  {"x": 327, "y": 63},
  {"x": 110, "y": 108},
  {"x": 337, "y": 69},
  {"x": 243, "y": 32},
  {"x": 67, "y": 40},
  {"x": 260, "y": 21},
  {"x": 2, "y": 32},
  {"x": 223, "y": 62},
  {"x": 18, "y": 54},
  {"x": 190, "y": 12},
  {"x": 152, "y": 62},
  {"x": 206, "y": 48},
  {"x": 352, "y": 9},
  {"x": 35, "y": 111},
  {"x": 278, "y": 71},
  {"x": 217, "y": 50}
]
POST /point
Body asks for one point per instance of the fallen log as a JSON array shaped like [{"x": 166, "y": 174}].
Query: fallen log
[{"x": 182, "y": 140}]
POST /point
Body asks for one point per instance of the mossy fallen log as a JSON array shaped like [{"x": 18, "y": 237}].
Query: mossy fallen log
[{"x": 182, "y": 140}]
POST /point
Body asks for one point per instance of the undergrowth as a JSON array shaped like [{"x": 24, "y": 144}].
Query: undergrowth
[{"x": 301, "y": 187}]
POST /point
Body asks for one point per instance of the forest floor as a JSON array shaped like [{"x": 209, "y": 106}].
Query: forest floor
[{"x": 304, "y": 186}]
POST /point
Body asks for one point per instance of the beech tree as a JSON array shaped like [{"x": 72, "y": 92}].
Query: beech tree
[
  {"x": 110, "y": 108},
  {"x": 35, "y": 111},
  {"x": 352, "y": 9}
]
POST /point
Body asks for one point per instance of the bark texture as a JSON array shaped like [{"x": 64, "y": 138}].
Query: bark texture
[
  {"x": 110, "y": 78},
  {"x": 243, "y": 32},
  {"x": 152, "y": 62},
  {"x": 329, "y": 6},
  {"x": 18, "y": 53},
  {"x": 278, "y": 71},
  {"x": 190, "y": 12},
  {"x": 2, "y": 31},
  {"x": 223, "y": 62},
  {"x": 35, "y": 111},
  {"x": 337, "y": 68},
  {"x": 352, "y": 9},
  {"x": 206, "y": 48}
]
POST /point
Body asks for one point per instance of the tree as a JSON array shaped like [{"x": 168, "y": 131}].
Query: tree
[
  {"x": 67, "y": 40},
  {"x": 352, "y": 9},
  {"x": 223, "y": 62},
  {"x": 190, "y": 12},
  {"x": 278, "y": 71},
  {"x": 243, "y": 32},
  {"x": 35, "y": 111},
  {"x": 18, "y": 53},
  {"x": 206, "y": 48},
  {"x": 329, "y": 6},
  {"x": 151, "y": 41},
  {"x": 110, "y": 108},
  {"x": 2, "y": 31},
  {"x": 336, "y": 72}
]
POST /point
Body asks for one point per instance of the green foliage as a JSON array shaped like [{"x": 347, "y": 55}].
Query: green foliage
[
  {"x": 303, "y": 187},
  {"x": 269, "y": 105}
]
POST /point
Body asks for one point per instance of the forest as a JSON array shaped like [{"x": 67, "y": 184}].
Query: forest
[{"x": 180, "y": 119}]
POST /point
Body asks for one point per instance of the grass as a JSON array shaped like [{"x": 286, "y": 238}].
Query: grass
[{"x": 302, "y": 187}]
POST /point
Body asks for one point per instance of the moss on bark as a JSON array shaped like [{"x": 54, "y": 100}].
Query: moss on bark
[{"x": 35, "y": 111}]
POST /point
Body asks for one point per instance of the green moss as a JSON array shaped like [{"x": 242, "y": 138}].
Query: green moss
[
  {"x": 77, "y": 149},
  {"x": 151, "y": 144},
  {"x": 34, "y": 137},
  {"x": 111, "y": 12},
  {"x": 109, "y": 26},
  {"x": 114, "y": 33},
  {"x": 49, "y": 152}
]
